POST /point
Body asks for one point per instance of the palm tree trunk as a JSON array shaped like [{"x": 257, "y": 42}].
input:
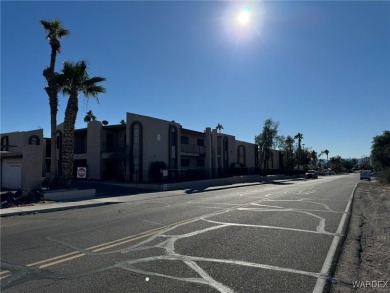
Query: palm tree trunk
[
  {"x": 68, "y": 140},
  {"x": 52, "y": 92}
]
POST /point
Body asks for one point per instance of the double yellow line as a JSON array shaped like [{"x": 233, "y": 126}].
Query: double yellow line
[{"x": 76, "y": 254}]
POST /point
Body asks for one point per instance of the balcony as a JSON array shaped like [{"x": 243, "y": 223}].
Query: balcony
[
  {"x": 113, "y": 150},
  {"x": 192, "y": 150}
]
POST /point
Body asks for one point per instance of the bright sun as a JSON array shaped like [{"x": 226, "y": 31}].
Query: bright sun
[{"x": 244, "y": 16}]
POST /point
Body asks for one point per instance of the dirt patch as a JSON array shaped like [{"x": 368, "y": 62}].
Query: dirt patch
[{"x": 364, "y": 263}]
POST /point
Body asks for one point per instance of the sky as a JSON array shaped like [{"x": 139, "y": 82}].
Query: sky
[{"x": 320, "y": 68}]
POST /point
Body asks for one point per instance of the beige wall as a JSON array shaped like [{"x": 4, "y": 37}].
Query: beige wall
[
  {"x": 155, "y": 140},
  {"x": 32, "y": 156},
  {"x": 94, "y": 150}
]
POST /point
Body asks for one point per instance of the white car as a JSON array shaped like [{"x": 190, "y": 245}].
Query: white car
[{"x": 365, "y": 174}]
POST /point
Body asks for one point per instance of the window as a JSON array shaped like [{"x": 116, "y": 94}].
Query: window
[
  {"x": 241, "y": 155},
  {"x": 59, "y": 139},
  {"x": 136, "y": 151},
  {"x": 185, "y": 162},
  {"x": 33, "y": 140},
  {"x": 200, "y": 142},
  {"x": 184, "y": 140},
  {"x": 110, "y": 142},
  {"x": 4, "y": 143},
  {"x": 172, "y": 147},
  {"x": 200, "y": 163}
]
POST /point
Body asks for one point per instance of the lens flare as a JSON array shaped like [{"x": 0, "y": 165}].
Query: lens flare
[{"x": 244, "y": 16}]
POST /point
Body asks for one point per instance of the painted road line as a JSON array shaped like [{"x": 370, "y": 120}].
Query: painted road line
[
  {"x": 123, "y": 239},
  {"x": 4, "y": 274},
  {"x": 77, "y": 254},
  {"x": 53, "y": 258},
  {"x": 124, "y": 242},
  {"x": 61, "y": 260},
  {"x": 321, "y": 282}
]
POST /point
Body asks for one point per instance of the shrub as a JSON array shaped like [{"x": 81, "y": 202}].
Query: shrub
[{"x": 384, "y": 176}]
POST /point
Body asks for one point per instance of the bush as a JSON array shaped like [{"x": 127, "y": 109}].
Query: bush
[
  {"x": 384, "y": 176},
  {"x": 155, "y": 170}
]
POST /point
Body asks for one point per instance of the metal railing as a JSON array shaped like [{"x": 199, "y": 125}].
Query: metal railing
[{"x": 192, "y": 149}]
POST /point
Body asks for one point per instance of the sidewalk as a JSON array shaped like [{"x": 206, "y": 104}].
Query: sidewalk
[{"x": 113, "y": 197}]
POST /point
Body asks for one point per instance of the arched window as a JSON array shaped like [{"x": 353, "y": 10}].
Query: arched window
[
  {"x": 225, "y": 153},
  {"x": 172, "y": 147},
  {"x": 136, "y": 151},
  {"x": 4, "y": 143},
  {"x": 33, "y": 140},
  {"x": 241, "y": 154},
  {"x": 59, "y": 139}
]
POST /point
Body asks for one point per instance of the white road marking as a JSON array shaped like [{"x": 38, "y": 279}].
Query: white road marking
[{"x": 320, "y": 284}]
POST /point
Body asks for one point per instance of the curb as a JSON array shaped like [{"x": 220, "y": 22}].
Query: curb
[{"x": 51, "y": 209}]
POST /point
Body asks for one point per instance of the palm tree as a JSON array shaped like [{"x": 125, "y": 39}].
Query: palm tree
[
  {"x": 326, "y": 152},
  {"x": 89, "y": 117},
  {"x": 219, "y": 127},
  {"x": 54, "y": 32},
  {"x": 72, "y": 81},
  {"x": 299, "y": 136}
]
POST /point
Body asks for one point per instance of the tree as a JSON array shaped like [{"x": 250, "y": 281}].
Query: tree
[
  {"x": 326, "y": 152},
  {"x": 89, "y": 117},
  {"x": 336, "y": 163},
  {"x": 365, "y": 163},
  {"x": 219, "y": 127},
  {"x": 299, "y": 136},
  {"x": 122, "y": 122},
  {"x": 72, "y": 81},
  {"x": 380, "y": 151},
  {"x": 314, "y": 158},
  {"x": 287, "y": 145},
  {"x": 54, "y": 32},
  {"x": 265, "y": 140},
  {"x": 380, "y": 155},
  {"x": 348, "y": 164}
]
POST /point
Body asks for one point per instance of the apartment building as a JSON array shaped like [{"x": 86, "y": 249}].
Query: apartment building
[
  {"x": 22, "y": 159},
  {"x": 145, "y": 149}
]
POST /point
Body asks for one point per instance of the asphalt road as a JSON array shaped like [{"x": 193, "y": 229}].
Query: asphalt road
[{"x": 275, "y": 237}]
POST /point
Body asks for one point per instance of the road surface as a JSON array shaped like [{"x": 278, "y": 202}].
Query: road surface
[{"x": 274, "y": 237}]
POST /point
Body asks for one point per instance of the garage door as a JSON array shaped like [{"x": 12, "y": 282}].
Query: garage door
[{"x": 11, "y": 173}]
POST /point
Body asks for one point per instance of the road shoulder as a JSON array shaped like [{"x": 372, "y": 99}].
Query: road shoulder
[{"x": 364, "y": 262}]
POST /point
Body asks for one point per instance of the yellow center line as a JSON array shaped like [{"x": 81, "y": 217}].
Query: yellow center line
[
  {"x": 6, "y": 276},
  {"x": 123, "y": 239},
  {"x": 4, "y": 272},
  {"x": 53, "y": 258},
  {"x": 123, "y": 242},
  {"x": 77, "y": 254},
  {"x": 61, "y": 260}
]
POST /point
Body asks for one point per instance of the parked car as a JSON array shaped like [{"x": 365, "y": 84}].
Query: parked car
[
  {"x": 311, "y": 174},
  {"x": 365, "y": 174}
]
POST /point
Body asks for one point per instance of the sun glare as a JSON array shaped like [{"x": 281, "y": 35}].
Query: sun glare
[
  {"x": 244, "y": 23},
  {"x": 244, "y": 16}
]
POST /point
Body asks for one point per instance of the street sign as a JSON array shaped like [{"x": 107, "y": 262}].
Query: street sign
[{"x": 82, "y": 172}]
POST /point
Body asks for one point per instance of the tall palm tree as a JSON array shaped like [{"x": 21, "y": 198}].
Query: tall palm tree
[
  {"x": 299, "y": 136},
  {"x": 219, "y": 127},
  {"x": 326, "y": 152},
  {"x": 72, "y": 81},
  {"x": 89, "y": 117},
  {"x": 54, "y": 32}
]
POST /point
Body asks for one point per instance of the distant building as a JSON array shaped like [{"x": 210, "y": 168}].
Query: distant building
[
  {"x": 145, "y": 149},
  {"x": 22, "y": 159}
]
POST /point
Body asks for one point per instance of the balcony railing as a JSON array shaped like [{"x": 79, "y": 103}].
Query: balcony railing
[
  {"x": 117, "y": 147},
  {"x": 192, "y": 150}
]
